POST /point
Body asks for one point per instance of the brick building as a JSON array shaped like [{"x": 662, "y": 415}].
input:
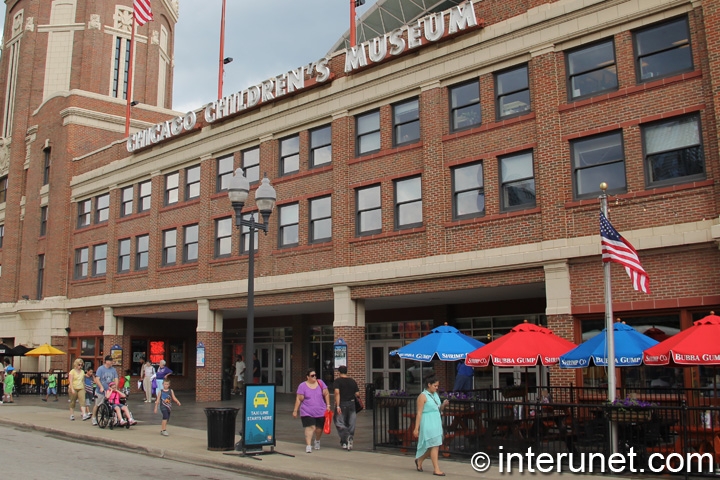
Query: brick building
[{"x": 447, "y": 171}]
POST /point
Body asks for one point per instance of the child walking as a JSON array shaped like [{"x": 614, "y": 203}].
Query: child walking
[
  {"x": 51, "y": 386},
  {"x": 126, "y": 383},
  {"x": 165, "y": 399}
]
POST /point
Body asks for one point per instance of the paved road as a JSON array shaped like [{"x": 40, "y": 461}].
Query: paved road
[{"x": 30, "y": 455}]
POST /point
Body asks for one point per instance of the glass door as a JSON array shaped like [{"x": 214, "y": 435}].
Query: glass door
[
  {"x": 528, "y": 377},
  {"x": 278, "y": 367},
  {"x": 386, "y": 371},
  {"x": 274, "y": 365}
]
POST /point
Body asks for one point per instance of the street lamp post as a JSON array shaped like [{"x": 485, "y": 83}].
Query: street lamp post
[{"x": 265, "y": 197}]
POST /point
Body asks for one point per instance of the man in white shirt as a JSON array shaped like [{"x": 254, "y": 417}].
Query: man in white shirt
[{"x": 239, "y": 375}]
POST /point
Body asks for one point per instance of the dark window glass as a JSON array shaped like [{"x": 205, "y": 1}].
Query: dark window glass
[
  {"x": 406, "y": 122},
  {"x": 290, "y": 154},
  {"x": 598, "y": 159},
  {"x": 465, "y": 106},
  {"x": 3, "y": 188},
  {"x": 40, "y": 277},
  {"x": 84, "y": 212},
  {"x": 592, "y": 70},
  {"x": 141, "y": 252},
  {"x": 81, "y": 262},
  {"x": 144, "y": 203},
  {"x": 468, "y": 191},
  {"x": 368, "y": 133},
  {"x": 245, "y": 234},
  {"x": 663, "y": 50},
  {"x": 2, "y": 235},
  {"x": 100, "y": 259},
  {"x": 190, "y": 250},
  {"x": 169, "y": 246},
  {"x": 288, "y": 218},
  {"x": 321, "y": 146},
  {"x": 369, "y": 212},
  {"x": 224, "y": 172},
  {"x": 408, "y": 203},
  {"x": 172, "y": 182},
  {"x": 517, "y": 180},
  {"x": 192, "y": 182},
  {"x": 513, "y": 92},
  {"x": 251, "y": 164},
  {"x": 320, "y": 219},
  {"x": 124, "y": 255},
  {"x": 46, "y": 166},
  {"x": 223, "y": 237},
  {"x": 126, "y": 201},
  {"x": 102, "y": 208},
  {"x": 43, "y": 220},
  {"x": 673, "y": 150}
]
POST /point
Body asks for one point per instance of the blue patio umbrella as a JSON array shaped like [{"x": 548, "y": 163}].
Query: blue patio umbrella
[
  {"x": 629, "y": 347},
  {"x": 446, "y": 342}
]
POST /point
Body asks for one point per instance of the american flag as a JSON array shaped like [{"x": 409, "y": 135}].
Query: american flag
[
  {"x": 616, "y": 249},
  {"x": 143, "y": 12}
]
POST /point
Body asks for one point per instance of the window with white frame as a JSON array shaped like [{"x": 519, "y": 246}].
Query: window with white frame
[
  {"x": 517, "y": 181},
  {"x": 288, "y": 218},
  {"x": 368, "y": 210},
  {"x": 468, "y": 190},
  {"x": 673, "y": 150},
  {"x": 598, "y": 159},
  {"x": 320, "y": 219},
  {"x": 408, "y": 203}
]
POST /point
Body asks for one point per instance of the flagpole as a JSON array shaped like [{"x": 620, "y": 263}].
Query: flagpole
[
  {"x": 221, "y": 68},
  {"x": 129, "y": 86},
  {"x": 609, "y": 327},
  {"x": 352, "y": 23}
]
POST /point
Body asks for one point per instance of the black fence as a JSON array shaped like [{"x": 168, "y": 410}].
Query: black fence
[
  {"x": 34, "y": 383},
  {"x": 684, "y": 423}
]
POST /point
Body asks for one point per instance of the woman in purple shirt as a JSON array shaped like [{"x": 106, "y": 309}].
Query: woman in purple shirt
[{"x": 313, "y": 399}]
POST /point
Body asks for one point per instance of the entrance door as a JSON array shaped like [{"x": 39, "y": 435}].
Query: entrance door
[
  {"x": 385, "y": 371},
  {"x": 275, "y": 365},
  {"x": 509, "y": 376}
]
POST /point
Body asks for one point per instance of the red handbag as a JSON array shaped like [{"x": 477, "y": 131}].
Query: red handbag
[{"x": 328, "y": 421}]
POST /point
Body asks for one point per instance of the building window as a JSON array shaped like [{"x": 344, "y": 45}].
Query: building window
[
  {"x": 142, "y": 249},
  {"x": 224, "y": 172},
  {"x": 512, "y": 92},
  {"x": 169, "y": 248},
  {"x": 81, "y": 262},
  {"x": 251, "y": 164},
  {"x": 368, "y": 132},
  {"x": 126, "y": 201},
  {"x": 673, "y": 151},
  {"x": 192, "y": 182},
  {"x": 465, "y": 106},
  {"x": 290, "y": 155},
  {"x": 2, "y": 234},
  {"x": 84, "y": 212},
  {"x": 40, "y": 277},
  {"x": 592, "y": 70},
  {"x": 517, "y": 181},
  {"x": 121, "y": 64},
  {"x": 320, "y": 219},
  {"x": 408, "y": 203},
  {"x": 245, "y": 234},
  {"x": 172, "y": 182},
  {"x": 43, "y": 220},
  {"x": 223, "y": 237},
  {"x": 468, "y": 191},
  {"x": 369, "y": 214},
  {"x": 46, "y": 166},
  {"x": 598, "y": 159},
  {"x": 144, "y": 202},
  {"x": 406, "y": 122},
  {"x": 190, "y": 249},
  {"x": 289, "y": 217},
  {"x": 100, "y": 259},
  {"x": 102, "y": 208},
  {"x": 663, "y": 50},
  {"x": 3, "y": 188},
  {"x": 124, "y": 255},
  {"x": 320, "y": 146}
]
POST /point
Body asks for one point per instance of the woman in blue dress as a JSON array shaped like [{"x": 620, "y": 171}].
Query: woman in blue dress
[{"x": 428, "y": 425}]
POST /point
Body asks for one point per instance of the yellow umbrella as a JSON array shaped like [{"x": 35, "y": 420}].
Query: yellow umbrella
[{"x": 44, "y": 351}]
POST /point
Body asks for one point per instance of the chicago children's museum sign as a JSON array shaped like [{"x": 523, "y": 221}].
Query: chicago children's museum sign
[{"x": 425, "y": 31}]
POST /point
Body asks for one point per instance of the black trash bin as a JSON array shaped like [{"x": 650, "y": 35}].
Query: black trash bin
[
  {"x": 221, "y": 428},
  {"x": 370, "y": 396}
]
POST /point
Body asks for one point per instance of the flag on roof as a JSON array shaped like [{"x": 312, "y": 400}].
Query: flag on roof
[
  {"x": 616, "y": 249},
  {"x": 142, "y": 11}
]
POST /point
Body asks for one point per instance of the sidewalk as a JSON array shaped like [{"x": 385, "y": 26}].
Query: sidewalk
[{"x": 188, "y": 441}]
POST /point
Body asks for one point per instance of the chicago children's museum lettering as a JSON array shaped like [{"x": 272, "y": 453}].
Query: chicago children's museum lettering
[{"x": 426, "y": 30}]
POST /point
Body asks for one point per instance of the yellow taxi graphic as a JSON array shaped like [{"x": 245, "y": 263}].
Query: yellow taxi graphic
[{"x": 261, "y": 398}]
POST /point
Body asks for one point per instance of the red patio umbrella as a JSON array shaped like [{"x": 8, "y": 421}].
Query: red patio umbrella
[
  {"x": 522, "y": 347},
  {"x": 698, "y": 345}
]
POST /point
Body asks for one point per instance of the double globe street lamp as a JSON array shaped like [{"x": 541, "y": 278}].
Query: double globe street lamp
[{"x": 265, "y": 197}]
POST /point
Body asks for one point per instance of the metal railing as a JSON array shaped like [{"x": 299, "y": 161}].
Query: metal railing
[{"x": 34, "y": 383}]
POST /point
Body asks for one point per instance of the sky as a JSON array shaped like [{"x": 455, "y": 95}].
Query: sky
[{"x": 264, "y": 38}]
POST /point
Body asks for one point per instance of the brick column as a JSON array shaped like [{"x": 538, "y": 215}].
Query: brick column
[
  {"x": 209, "y": 332},
  {"x": 299, "y": 360},
  {"x": 558, "y": 310},
  {"x": 349, "y": 324}
]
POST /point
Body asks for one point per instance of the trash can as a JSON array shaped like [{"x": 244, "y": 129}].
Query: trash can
[
  {"x": 369, "y": 396},
  {"x": 221, "y": 428},
  {"x": 225, "y": 389}
]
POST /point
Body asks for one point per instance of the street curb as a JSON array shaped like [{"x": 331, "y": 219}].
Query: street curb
[{"x": 173, "y": 455}]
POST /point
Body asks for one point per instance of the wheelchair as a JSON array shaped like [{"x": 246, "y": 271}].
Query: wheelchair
[{"x": 108, "y": 417}]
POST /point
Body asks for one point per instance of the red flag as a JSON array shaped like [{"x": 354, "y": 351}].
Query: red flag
[
  {"x": 616, "y": 249},
  {"x": 143, "y": 12}
]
